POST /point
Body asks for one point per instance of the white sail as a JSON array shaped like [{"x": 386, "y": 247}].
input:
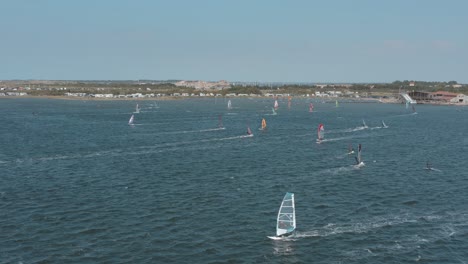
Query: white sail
[
  {"x": 364, "y": 124},
  {"x": 384, "y": 125},
  {"x": 130, "y": 122},
  {"x": 286, "y": 221},
  {"x": 137, "y": 109},
  {"x": 229, "y": 106},
  {"x": 220, "y": 122}
]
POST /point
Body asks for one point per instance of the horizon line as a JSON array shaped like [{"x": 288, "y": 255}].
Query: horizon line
[{"x": 194, "y": 80}]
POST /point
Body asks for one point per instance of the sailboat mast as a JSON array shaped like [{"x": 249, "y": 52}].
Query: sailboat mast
[{"x": 293, "y": 211}]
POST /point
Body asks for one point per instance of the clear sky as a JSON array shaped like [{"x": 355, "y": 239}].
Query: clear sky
[{"x": 241, "y": 40}]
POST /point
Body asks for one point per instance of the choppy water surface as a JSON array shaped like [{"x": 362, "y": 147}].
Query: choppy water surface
[{"x": 78, "y": 184}]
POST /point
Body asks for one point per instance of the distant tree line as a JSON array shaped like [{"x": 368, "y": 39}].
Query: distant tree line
[
  {"x": 242, "y": 90},
  {"x": 129, "y": 87}
]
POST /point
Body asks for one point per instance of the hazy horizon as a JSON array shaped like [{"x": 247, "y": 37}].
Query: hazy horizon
[
  {"x": 262, "y": 41},
  {"x": 233, "y": 81}
]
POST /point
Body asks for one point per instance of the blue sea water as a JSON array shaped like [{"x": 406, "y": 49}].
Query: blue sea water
[{"x": 79, "y": 185}]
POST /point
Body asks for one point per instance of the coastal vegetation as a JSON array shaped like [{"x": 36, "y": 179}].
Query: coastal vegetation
[{"x": 60, "y": 88}]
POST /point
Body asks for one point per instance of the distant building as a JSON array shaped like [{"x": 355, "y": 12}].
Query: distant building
[
  {"x": 420, "y": 95},
  {"x": 412, "y": 84},
  {"x": 460, "y": 98},
  {"x": 203, "y": 85},
  {"x": 443, "y": 96}
]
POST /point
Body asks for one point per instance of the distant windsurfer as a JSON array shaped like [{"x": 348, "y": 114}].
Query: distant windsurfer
[
  {"x": 320, "y": 132},
  {"x": 350, "y": 150},
  {"x": 428, "y": 166},
  {"x": 220, "y": 121},
  {"x": 359, "y": 162},
  {"x": 383, "y": 124},
  {"x": 249, "y": 132}
]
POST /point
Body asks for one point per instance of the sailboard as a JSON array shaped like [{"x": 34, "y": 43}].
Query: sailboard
[
  {"x": 275, "y": 106},
  {"x": 414, "y": 110},
  {"x": 229, "y": 105},
  {"x": 289, "y": 102},
  {"x": 359, "y": 162},
  {"x": 263, "y": 125},
  {"x": 320, "y": 133},
  {"x": 311, "y": 108},
  {"x": 336, "y": 103},
  {"x": 286, "y": 220},
  {"x": 273, "y": 112},
  {"x": 130, "y": 121}
]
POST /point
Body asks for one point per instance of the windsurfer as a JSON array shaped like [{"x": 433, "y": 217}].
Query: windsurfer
[{"x": 428, "y": 165}]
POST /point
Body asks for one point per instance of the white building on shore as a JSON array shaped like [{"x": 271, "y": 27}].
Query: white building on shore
[{"x": 460, "y": 99}]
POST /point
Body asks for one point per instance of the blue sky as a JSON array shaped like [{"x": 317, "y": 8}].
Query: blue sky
[{"x": 242, "y": 40}]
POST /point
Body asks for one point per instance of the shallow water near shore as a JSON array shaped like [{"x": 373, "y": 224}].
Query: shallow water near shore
[{"x": 78, "y": 184}]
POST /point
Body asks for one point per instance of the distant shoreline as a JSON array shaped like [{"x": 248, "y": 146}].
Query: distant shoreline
[
  {"x": 170, "y": 98},
  {"x": 165, "y": 98},
  {"x": 77, "y": 98}
]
